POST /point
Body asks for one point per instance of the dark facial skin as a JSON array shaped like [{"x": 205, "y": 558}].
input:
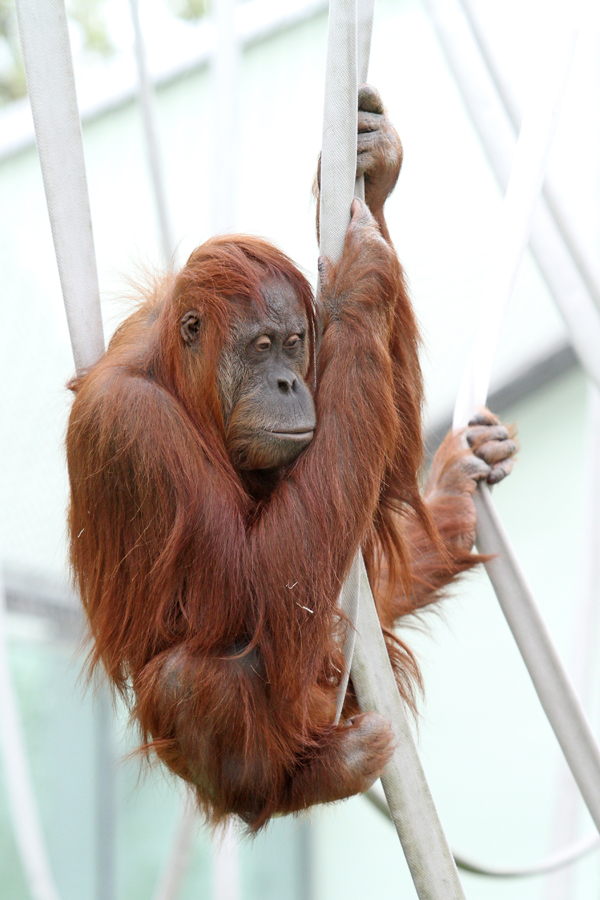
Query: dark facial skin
[{"x": 267, "y": 407}]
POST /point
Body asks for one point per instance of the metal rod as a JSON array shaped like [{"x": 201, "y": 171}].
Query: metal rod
[
  {"x": 146, "y": 99},
  {"x": 226, "y": 874},
  {"x": 586, "y": 266},
  {"x": 553, "y": 687},
  {"x": 497, "y": 135},
  {"x": 51, "y": 84},
  {"x": 584, "y": 641},
  {"x": 24, "y": 811},
  {"x": 409, "y": 799},
  {"x": 225, "y": 134},
  {"x": 172, "y": 879},
  {"x": 509, "y": 242},
  {"x": 105, "y": 798},
  {"x": 550, "y": 680}
]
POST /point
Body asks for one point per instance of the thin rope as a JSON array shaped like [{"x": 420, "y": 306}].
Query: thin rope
[
  {"x": 554, "y": 863},
  {"x": 558, "y": 860},
  {"x": 409, "y": 799}
]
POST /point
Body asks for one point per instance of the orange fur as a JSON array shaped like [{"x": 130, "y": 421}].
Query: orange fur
[{"x": 217, "y": 609}]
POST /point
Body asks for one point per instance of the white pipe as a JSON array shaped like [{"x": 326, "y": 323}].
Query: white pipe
[
  {"x": 510, "y": 242},
  {"x": 570, "y": 280},
  {"x": 49, "y": 70},
  {"x": 518, "y": 604},
  {"x": 587, "y": 266},
  {"x": 584, "y": 641},
  {"x": 404, "y": 783},
  {"x": 407, "y": 792},
  {"x": 224, "y": 133},
  {"x": 19, "y": 783},
  {"x": 172, "y": 879},
  {"x": 146, "y": 99},
  {"x": 340, "y": 125},
  {"x": 552, "y": 684},
  {"x": 226, "y": 867}
]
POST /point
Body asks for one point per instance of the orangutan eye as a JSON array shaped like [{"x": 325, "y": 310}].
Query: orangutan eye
[
  {"x": 292, "y": 341},
  {"x": 262, "y": 343}
]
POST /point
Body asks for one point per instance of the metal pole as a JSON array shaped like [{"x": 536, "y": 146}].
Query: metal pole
[
  {"x": 105, "y": 798},
  {"x": 146, "y": 99},
  {"x": 547, "y": 673},
  {"x": 584, "y": 642},
  {"x": 498, "y": 138},
  {"x": 171, "y": 882},
  {"x": 226, "y": 874},
  {"x": 51, "y": 84},
  {"x": 225, "y": 133},
  {"x": 49, "y": 69},
  {"x": 306, "y": 858},
  {"x": 25, "y": 815},
  {"x": 586, "y": 266},
  {"x": 552, "y": 684},
  {"x": 407, "y": 792}
]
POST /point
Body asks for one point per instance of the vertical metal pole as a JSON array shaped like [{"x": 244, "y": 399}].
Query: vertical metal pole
[
  {"x": 146, "y": 98},
  {"x": 225, "y": 134},
  {"x": 587, "y": 629},
  {"x": 105, "y": 798},
  {"x": 306, "y": 875},
  {"x": 25, "y": 816},
  {"x": 407, "y": 792},
  {"x": 365, "y": 11},
  {"x": 226, "y": 866},
  {"x": 173, "y": 877}
]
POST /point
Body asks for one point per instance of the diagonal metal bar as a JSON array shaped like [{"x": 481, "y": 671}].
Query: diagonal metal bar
[
  {"x": 565, "y": 281},
  {"x": 548, "y": 675},
  {"x": 586, "y": 615},
  {"x": 552, "y": 684},
  {"x": 587, "y": 267}
]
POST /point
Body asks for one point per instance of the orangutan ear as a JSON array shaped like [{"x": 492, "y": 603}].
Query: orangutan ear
[{"x": 190, "y": 327}]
